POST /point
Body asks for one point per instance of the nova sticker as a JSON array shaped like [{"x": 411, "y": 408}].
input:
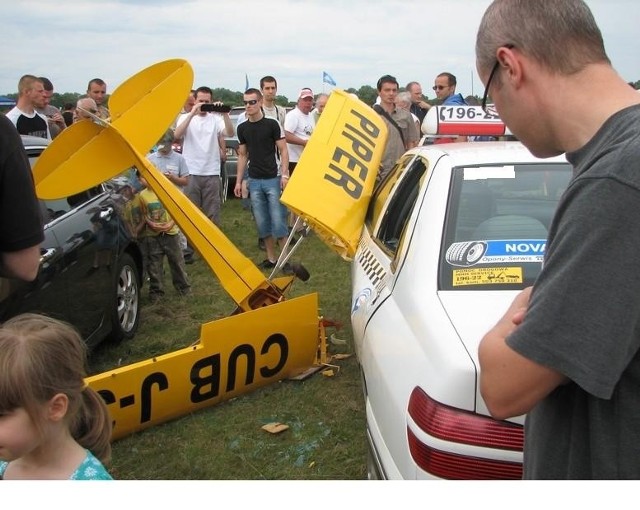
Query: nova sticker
[
  {"x": 487, "y": 276},
  {"x": 471, "y": 253}
]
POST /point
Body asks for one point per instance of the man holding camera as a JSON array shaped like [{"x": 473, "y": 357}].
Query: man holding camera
[{"x": 200, "y": 130}]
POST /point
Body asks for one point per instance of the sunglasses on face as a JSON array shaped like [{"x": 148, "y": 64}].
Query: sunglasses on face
[
  {"x": 250, "y": 102},
  {"x": 440, "y": 87}
]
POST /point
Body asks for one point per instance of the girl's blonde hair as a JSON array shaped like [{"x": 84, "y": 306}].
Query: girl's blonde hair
[{"x": 41, "y": 357}]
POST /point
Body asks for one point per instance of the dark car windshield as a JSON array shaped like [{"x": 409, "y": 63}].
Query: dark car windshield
[{"x": 497, "y": 223}]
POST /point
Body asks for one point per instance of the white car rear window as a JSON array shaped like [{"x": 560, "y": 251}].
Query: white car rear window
[{"x": 497, "y": 222}]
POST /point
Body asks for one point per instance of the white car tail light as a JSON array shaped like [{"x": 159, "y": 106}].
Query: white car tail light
[{"x": 450, "y": 424}]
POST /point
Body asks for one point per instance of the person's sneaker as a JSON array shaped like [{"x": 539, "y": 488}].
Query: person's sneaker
[
  {"x": 267, "y": 264},
  {"x": 188, "y": 259},
  {"x": 261, "y": 243}
]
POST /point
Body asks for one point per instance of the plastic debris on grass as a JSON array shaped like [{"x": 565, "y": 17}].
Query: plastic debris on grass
[{"x": 336, "y": 341}]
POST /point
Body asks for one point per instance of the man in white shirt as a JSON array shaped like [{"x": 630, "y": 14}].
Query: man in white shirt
[
  {"x": 200, "y": 132},
  {"x": 298, "y": 126}
]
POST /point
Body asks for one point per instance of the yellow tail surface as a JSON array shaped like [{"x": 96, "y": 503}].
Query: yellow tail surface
[{"x": 336, "y": 174}]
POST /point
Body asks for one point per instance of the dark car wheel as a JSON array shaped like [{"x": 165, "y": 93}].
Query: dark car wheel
[{"x": 125, "y": 316}]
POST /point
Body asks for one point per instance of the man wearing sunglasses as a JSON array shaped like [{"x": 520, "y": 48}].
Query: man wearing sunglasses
[
  {"x": 567, "y": 351},
  {"x": 445, "y": 89},
  {"x": 260, "y": 138}
]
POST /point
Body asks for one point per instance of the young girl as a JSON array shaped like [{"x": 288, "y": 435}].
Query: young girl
[{"x": 52, "y": 425}]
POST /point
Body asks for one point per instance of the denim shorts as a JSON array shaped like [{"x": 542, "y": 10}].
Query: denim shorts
[{"x": 270, "y": 214}]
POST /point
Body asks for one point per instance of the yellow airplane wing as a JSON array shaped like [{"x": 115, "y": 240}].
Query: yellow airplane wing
[
  {"x": 234, "y": 355},
  {"x": 334, "y": 179},
  {"x": 92, "y": 151}
]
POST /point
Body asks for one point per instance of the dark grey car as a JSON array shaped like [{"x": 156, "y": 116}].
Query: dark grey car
[{"x": 90, "y": 268}]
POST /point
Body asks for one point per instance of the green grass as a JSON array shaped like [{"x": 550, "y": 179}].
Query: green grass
[{"x": 325, "y": 415}]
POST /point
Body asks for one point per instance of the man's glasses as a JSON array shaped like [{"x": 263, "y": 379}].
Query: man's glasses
[
  {"x": 491, "y": 75},
  {"x": 251, "y": 102},
  {"x": 440, "y": 87}
]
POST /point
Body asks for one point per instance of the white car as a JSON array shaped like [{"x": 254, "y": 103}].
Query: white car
[{"x": 450, "y": 237}]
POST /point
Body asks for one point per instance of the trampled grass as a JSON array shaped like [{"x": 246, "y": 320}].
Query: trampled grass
[{"x": 325, "y": 415}]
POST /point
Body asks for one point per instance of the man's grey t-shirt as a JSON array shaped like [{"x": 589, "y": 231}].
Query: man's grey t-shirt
[{"x": 584, "y": 316}]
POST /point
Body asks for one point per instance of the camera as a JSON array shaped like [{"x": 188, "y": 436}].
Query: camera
[{"x": 211, "y": 107}]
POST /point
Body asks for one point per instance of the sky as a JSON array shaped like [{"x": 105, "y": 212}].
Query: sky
[{"x": 354, "y": 41}]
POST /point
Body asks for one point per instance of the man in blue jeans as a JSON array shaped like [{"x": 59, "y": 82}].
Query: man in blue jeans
[{"x": 259, "y": 138}]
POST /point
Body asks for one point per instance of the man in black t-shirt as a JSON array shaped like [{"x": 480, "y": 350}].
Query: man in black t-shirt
[
  {"x": 259, "y": 138},
  {"x": 20, "y": 220},
  {"x": 24, "y": 115}
]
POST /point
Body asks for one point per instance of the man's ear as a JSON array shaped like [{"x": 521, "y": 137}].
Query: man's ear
[
  {"x": 57, "y": 407},
  {"x": 512, "y": 65}
]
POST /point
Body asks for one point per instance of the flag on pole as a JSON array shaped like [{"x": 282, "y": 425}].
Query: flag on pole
[
  {"x": 328, "y": 79},
  {"x": 246, "y": 81}
]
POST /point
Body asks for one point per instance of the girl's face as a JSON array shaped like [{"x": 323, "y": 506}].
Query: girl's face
[{"x": 18, "y": 434}]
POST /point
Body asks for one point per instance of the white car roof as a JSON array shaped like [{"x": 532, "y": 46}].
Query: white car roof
[{"x": 481, "y": 153}]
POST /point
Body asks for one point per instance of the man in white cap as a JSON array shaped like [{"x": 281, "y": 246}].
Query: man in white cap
[{"x": 298, "y": 126}]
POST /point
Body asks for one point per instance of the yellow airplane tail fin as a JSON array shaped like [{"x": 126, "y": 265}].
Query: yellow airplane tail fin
[
  {"x": 141, "y": 109},
  {"x": 144, "y": 105}
]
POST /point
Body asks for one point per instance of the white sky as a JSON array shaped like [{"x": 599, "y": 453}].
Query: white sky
[{"x": 355, "y": 41}]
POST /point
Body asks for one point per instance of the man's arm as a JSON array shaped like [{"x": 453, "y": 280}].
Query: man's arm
[
  {"x": 511, "y": 384},
  {"x": 241, "y": 164},
  {"x": 178, "y": 180},
  {"x": 183, "y": 124},
  {"x": 281, "y": 144},
  {"x": 22, "y": 264},
  {"x": 228, "y": 125},
  {"x": 293, "y": 139},
  {"x": 413, "y": 134},
  {"x": 222, "y": 143},
  {"x": 57, "y": 119}
]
